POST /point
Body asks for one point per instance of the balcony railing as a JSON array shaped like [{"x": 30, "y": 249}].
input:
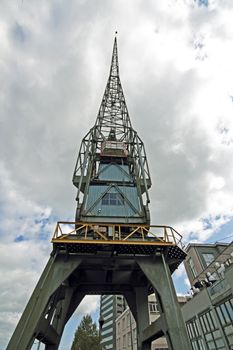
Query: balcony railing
[
  {"x": 218, "y": 288},
  {"x": 107, "y": 233}
]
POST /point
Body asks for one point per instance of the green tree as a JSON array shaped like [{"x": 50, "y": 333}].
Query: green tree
[{"x": 86, "y": 336}]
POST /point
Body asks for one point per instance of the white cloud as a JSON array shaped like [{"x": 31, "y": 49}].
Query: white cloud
[
  {"x": 21, "y": 266},
  {"x": 24, "y": 249},
  {"x": 180, "y": 271},
  {"x": 89, "y": 304}
]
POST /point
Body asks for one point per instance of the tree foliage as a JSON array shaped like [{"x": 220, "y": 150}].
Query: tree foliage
[{"x": 86, "y": 336}]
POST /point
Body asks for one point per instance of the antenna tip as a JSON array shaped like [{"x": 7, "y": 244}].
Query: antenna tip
[{"x": 116, "y": 32}]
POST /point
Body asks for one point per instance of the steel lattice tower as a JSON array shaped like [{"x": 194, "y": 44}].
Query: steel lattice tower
[
  {"x": 112, "y": 145},
  {"x": 111, "y": 248}
]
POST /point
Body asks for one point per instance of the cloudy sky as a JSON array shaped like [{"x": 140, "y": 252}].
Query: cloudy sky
[{"x": 176, "y": 70}]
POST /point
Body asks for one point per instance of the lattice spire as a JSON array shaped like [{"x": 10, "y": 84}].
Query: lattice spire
[
  {"x": 114, "y": 69},
  {"x": 112, "y": 129},
  {"x": 113, "y": 120}
]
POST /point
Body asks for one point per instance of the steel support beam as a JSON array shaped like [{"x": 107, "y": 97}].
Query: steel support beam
[
  {"x": 68, "y": 278},
  {"x": 158, "y": 274},
  {"x": 57, "y": 270},
  {"x": 142, "y": 315},
  {"x": 131, "y": 301}
]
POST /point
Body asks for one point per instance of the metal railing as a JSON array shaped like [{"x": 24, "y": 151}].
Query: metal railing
[
  {"x": 219, "y": 288},
  {"x": 117, "y": 232}
]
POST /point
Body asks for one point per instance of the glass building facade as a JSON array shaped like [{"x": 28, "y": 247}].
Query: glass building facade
[{"x": 111, "y": 306}]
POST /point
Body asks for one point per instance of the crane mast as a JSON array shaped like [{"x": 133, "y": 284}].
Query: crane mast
[{"x": 112, "y": 174}]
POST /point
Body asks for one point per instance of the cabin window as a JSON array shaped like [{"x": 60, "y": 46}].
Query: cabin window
[{"x": 113, "y": 199}]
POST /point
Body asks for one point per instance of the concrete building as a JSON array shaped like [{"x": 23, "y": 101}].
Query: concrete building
[
  {"x": 209, "y": 314},
  {"x": 126, "y": 332},
  {"x": 111, "y": 307}
]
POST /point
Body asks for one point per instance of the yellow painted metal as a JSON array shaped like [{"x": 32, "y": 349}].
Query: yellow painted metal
[
  {"x": 76, "y": 241},
  {"x": 102, "y": 233}
]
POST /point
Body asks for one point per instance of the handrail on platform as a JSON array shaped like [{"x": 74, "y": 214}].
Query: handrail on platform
[{"x": 117, "y": 232}]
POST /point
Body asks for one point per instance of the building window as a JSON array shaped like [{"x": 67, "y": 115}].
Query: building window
[
  {"x": 134, "y": 335},
  {"x": 194, "y": 335},
  {"x": 192, "y": 267},
  {"x": 128, "y": 320},
  {"x": 123, "y": 323},
  {"x": 211, "y": 332},
  {"x": 107, "y": 304},
  {"x": 124, "y": 341},
  {"x": 129, "y": 339},
  {"x": 153, "y": 307},
  {"x": 106, "y": 331},
  {"x": 208, "y": 257},
  {"x": 225, "y": 315},
  {"x": 113, "y": 199},
  {"x": 119, "y": 327}
]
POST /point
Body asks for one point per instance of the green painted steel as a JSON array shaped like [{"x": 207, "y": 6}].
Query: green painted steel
[
  {"x": 115, "y": 172},
  {"x": 112, "y": 155},
  {"x": 130, "y": 206},
  {"x": 171, "y": 323},
  {"x": 33, "y": 323}
]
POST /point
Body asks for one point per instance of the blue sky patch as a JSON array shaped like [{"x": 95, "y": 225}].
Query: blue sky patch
[
  {"x": 224, "y": 234},
  {"x": 206, "y": 223},
  {"x": 203, "y": 2},
  {"x": 20, "y": 238},
  {"x": 18, "y": 33}
]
